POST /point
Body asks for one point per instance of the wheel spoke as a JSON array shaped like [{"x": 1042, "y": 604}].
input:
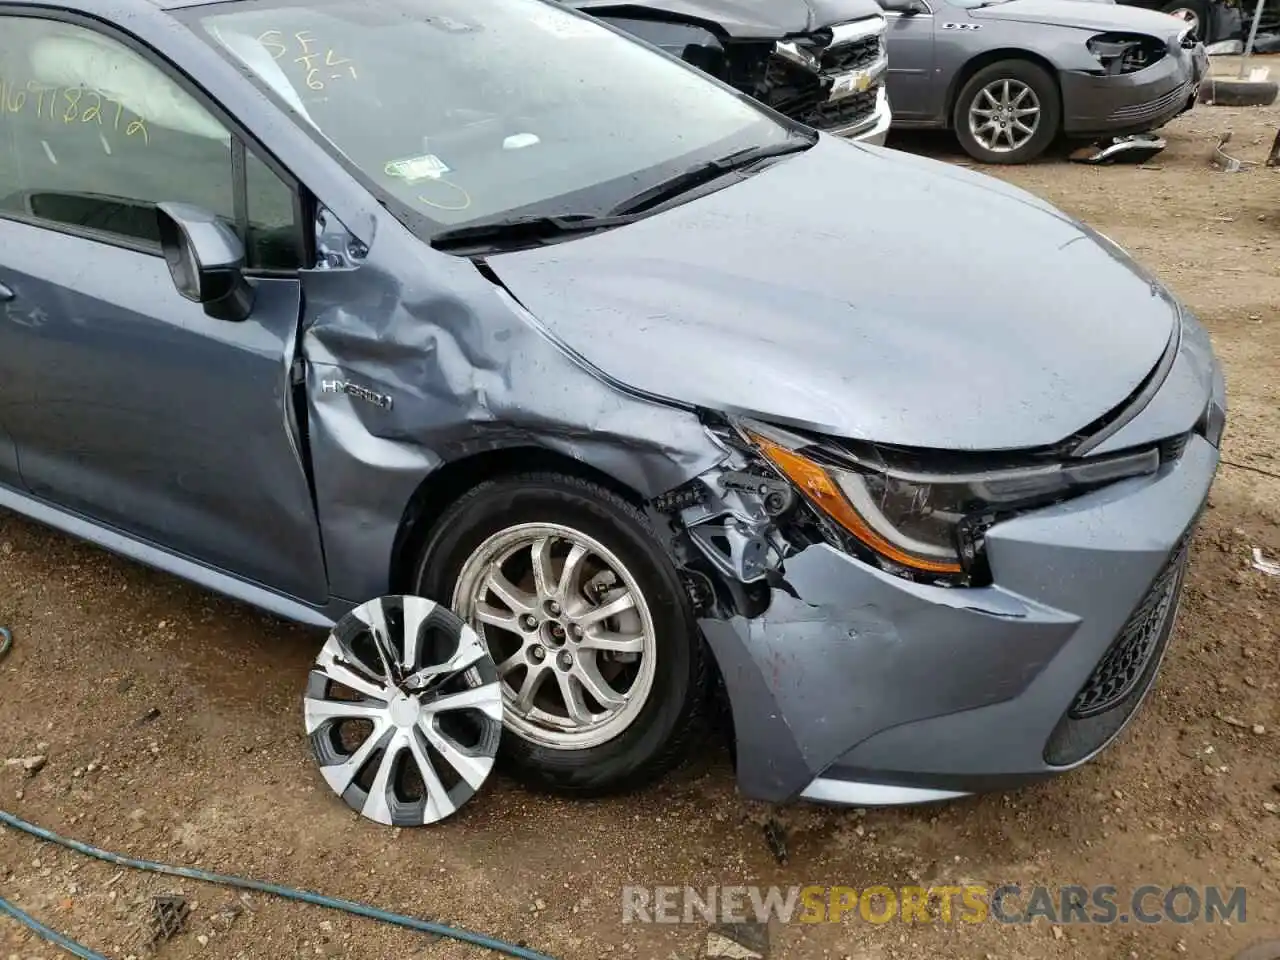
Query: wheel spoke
[
  {"x": 571, "y": 572},
  {"x": 1026, "y": 112},
  {"x": 573, "y": 700},
  {"x": 1019, "y": 125},
  {"x": 340, "y": 775},
  {"x": 611, "y": 609},
  {"x": 335, "y": 665},
  {"x": 517, "y": 659},
  {"x": 613, "y": 642},
  {"x": 475, "y": 698},
  {"x": 1004, "y": 94},
  {"x": 533, "y": 679},
  {"x": 588, "y": 675},
  {"x": 515, "y": 598},
  {"x": 986, "y": 92},
  {"x": 376, "y": 807},
  {"x": 494, "y": 617},
  {"x": 439, "y": 805},
  {"x": 319, "y": 711},
  {"x": 544, "y": 578},
  {"x": 471, "y": 769}
]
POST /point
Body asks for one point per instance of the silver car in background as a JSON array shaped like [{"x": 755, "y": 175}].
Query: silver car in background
[
  {"x": 1010, "y": 76},
  {"x": 819, "y": 62}
]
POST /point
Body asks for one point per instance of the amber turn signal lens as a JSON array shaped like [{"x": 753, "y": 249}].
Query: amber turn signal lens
[{"x": 816, "y": 484}]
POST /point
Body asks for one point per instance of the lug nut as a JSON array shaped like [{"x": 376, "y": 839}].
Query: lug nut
[
  {"x": 529, "y": 621},
  {"x": 537, "y": 653},
  {"x": 566, "y": 661}
]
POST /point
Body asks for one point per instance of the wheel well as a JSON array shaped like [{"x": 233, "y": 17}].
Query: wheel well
[
  {"x": 445, "y": 485},
  {"x": 964, "y": 74}
]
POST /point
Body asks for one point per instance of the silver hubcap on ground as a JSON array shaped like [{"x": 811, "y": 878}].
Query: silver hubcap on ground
[
  {"x": 1004, "y": 115},
  {"x": 404, "y": 711},
  {"x": 569, "y": 629}
]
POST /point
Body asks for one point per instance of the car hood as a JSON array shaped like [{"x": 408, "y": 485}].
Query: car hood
[
  {"x": 741, "y": 19},
  {"x": 862, "y": 293},
  {"x": 1084, "y": 16}
]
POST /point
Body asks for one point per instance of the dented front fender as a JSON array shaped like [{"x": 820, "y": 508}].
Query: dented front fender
[{"x": 415, "y": 359}]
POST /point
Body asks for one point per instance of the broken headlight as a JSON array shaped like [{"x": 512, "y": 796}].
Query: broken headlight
[
  {"x": 1124, "y": 52},
  {"x": 921, "y": 523}
]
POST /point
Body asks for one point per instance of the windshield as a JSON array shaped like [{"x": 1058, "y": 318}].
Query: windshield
[{"x": 465, "y": 110}]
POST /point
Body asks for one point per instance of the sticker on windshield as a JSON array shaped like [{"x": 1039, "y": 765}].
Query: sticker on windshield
[
  {"x": 563, "y": 25},
  {"x": 449, "y": 25},
  {"x": 415, "y": 169}
]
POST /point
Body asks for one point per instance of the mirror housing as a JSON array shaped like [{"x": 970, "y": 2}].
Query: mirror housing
[
  {"x": 206, "y": 261},
  {"x": 907, "y": 8}
]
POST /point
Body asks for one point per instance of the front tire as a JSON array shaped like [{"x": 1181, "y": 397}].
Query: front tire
[
  {"x": 1008, "y": 112},
  {"x": 603, "y": 670}
]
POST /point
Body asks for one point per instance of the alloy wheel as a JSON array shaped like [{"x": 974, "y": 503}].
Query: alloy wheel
[
  {"x": 569, "y": 629},
  {"x": 1004, "y": 115},
  {"x": 404, "y": 711}
]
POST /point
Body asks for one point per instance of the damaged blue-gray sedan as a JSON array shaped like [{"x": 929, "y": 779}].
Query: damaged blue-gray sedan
[{"x": 317, "y": 301}]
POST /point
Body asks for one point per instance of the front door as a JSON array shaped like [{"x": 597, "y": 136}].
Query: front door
[
  {"x": 127, "y": 403},
  {"x": 909, "y": 41}
]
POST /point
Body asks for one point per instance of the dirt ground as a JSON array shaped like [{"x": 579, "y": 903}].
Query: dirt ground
[{"x": 172, "y": 724}]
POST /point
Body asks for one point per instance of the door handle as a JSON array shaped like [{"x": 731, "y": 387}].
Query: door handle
[{"x": 5, "y": 293}]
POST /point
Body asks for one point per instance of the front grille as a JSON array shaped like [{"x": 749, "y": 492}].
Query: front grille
[
  {"x": 1117, "y": 685},
  {"x": 1141, "y": 112},
  {"x": 842, "y": 113},
  {"x": 1172, "y": 448},
  {"x": 1122, "y": 667},
  {"x": 802, "y": 95},
  {"x": 851, "y": 56}
]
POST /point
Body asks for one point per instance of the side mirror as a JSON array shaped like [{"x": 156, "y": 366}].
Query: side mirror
[{"x": 206, "y": 261}]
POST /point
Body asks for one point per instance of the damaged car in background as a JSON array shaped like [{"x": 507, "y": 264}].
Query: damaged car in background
[
  {"x": 821, "y": 62},
  {"x": 644, "y": 380},
  {"x": 1009, "y": 77}
]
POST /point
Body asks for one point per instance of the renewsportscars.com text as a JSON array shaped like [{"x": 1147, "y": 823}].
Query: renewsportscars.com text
[{"x": 973, "y": 903}]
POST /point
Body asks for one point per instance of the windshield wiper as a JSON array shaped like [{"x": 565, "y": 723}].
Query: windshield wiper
[
  {"x": 534, "y": 229},
  {"x": 702, "y": 173},
  {"x": 517, "y": 230}
]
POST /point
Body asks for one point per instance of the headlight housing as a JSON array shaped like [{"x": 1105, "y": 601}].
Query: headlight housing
[
  {"x": 1125, "y": 52},
  {"x": 920, "y": 523}
]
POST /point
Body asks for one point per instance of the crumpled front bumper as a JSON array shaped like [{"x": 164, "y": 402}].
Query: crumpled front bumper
[
  {"x": 858, "y": 687},
  {"x": 1132, "y": 103},
  {"x": 874, "y": 129}
]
